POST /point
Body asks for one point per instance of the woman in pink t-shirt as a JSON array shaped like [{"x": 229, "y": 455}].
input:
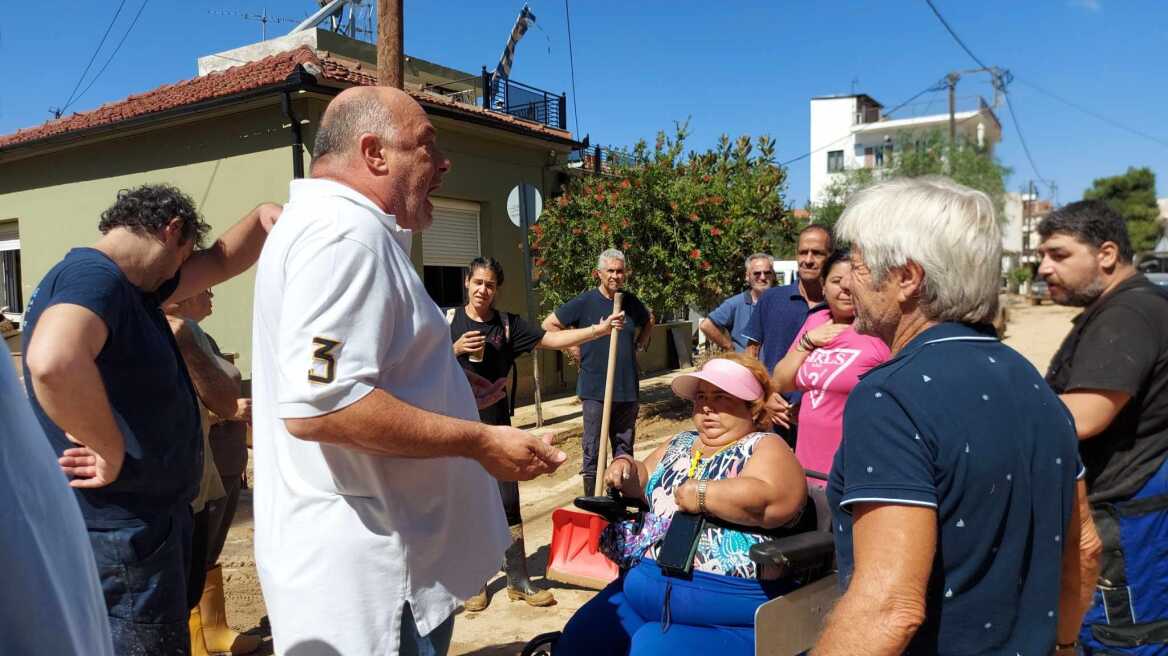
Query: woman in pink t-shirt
[{"x": 825, "y": 363}]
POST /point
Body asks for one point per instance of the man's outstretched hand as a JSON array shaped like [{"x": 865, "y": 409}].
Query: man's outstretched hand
[{"x": 514, "y": 455}]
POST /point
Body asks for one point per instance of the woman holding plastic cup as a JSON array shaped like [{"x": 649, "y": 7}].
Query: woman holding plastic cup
[{"x": 487, "y": 342}]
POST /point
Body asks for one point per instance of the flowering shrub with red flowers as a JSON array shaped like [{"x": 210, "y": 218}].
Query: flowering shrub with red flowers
[{"x": 685, "y": 221}]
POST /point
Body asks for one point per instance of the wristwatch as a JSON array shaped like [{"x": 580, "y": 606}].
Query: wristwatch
[{"x": 702, "y": 497}]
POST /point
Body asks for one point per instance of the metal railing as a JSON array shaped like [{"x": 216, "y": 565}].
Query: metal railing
[
  {"x": 937, "y": 106},
  {"x": 599, "y": 160},
  {"x": 523, "y": 101},
  {"x": 506, "y": 96},
  {"x": 468, "y": 90}
]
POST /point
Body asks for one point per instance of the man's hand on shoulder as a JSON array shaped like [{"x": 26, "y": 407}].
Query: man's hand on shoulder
[
  {"x": 269, "y": 213},
  {"x": 510, "y": 454}
]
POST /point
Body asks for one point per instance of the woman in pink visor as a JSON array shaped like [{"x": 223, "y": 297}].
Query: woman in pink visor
[
  {"x": 744, "y": 481},
  {"x": 825, "y": 363}
]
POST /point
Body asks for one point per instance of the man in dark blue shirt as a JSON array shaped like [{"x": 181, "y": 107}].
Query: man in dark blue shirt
[
  {"x": 103, "y": 372},
  {"x": 590, "y": 308},
  {"x": 954, "y": 490},
  {"x": 781, "y": 311}
]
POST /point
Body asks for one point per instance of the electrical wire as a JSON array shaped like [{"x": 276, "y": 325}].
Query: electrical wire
[
  {"x": 71, "y": 99},
  {"x": 1022, "y": 140},
  {"x": 116, "y": 49},
  {"x": 572, "y": 67},
  {"x": 953, "y": 34},
  {"x": 1088, "y": 112},
  {"x": 1005, "y": 93}
]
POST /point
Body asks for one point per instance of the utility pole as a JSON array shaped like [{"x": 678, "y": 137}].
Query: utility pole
[
  {"x": 389, "y": 44},
  {"x": 1026, "y": 224},
  {"x": 526, "y": 218},
  {"x": 952, "y": 80}
]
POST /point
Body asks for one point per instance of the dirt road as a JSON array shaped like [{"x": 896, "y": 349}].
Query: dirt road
[{"x": 505, "y": 626}]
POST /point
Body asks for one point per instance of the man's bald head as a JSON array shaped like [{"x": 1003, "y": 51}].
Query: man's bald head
[
  {"x": 378, "y": 141},
  {"x": 353, "y": 112}
]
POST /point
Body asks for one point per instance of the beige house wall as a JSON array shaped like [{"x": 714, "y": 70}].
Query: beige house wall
[{"x": 235, "y": 158}]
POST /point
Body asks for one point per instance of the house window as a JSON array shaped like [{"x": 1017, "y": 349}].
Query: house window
[
  {"x": 447, "y": 247},
  {"x": 11, "y": 296},
  {"x": 835, "y": 161},
  {"x": 444, "y": 284}
]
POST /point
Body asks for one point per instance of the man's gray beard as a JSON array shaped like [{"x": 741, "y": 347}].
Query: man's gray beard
[{"x": 1087, "y": 295}]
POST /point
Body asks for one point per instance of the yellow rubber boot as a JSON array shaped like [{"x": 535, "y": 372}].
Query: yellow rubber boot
[
  {"x": 221, "y": 639},
  {"x": 479, "y": 602},
  {"x": 519, "y": 587},
  {"x": 195, "y": 624}
]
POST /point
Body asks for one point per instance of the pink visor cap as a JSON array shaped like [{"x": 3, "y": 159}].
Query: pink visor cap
[{"x": 724, "y": 374}]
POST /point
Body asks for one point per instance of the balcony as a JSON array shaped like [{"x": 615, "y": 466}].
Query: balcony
[
  {"x": 597, "y": 159},
  {"x": 506, "y": 96}
]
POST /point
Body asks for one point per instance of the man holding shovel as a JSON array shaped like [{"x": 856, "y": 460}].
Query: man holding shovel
[{"x": 589, "y": 308}]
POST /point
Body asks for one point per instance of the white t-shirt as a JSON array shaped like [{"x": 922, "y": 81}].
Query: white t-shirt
[
  {"x": 344, "y": 539},
  {"x": 51, "y": 601}
]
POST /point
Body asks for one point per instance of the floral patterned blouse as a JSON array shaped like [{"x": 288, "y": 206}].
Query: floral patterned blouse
[{"x": 720, "y": 550}]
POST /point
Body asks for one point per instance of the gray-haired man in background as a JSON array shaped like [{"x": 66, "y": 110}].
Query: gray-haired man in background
[{"x": 587, "y": 309}]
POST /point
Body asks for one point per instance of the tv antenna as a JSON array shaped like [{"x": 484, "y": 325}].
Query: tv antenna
[{"x": 262, "y": 18}]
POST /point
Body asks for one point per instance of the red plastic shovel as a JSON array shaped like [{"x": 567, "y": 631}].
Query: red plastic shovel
[{"x": 575, "y": 556}]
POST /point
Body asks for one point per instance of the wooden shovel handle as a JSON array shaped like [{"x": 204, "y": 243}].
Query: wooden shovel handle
[{"x": 606, "y": 415}]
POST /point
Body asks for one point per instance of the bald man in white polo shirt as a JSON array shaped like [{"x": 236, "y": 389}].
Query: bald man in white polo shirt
[{"x": 375, "y": 508}]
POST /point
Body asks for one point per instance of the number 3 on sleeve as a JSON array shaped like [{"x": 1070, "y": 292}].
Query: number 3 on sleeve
[{"x": 323, "y": 360}]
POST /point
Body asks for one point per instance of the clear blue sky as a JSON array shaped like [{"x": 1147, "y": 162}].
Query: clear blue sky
[{"x": 735, "y": 67}]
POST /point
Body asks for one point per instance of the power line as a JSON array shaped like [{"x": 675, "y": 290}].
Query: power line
[
  {"x": 1109, "y": 121},
  {"x": 572, "y": 67},
  {"x": 116, "y": 49},
  {"x": 70, "y": 99},
  {"x": 1022, "y": 140},
  {"x": 835, "y": 141},
  {"x": 954, "y": 34},
  {"x": 1006, "y": 93}
]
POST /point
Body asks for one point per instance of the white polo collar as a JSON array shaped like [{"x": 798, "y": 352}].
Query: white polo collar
[{"x": 306, "y": 189}]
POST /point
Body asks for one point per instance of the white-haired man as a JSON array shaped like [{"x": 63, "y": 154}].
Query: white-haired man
[
  {"x": 590, "y": 308},
  {"x": 375, "y": 508},
  {"x": 734, "y": 313},
  {"x": 954, "y": 490}
]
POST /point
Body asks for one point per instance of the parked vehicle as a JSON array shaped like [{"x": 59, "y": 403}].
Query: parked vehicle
[
  {"x": 1155, "y": 266},
  {"x": 1039, "y": 291}
]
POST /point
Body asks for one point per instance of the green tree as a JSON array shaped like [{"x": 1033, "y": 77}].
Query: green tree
[
  {"x": 916, "y": 155},
  {"x": 685, "y": 222},
  {"x": 1133, "y": 196}
]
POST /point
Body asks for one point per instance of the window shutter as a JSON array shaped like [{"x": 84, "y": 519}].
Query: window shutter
[
  {"x": 9, "y": 236},
  {"x": 453, "y": 238}
]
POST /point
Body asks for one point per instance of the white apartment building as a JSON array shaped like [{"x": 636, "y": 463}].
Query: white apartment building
[{"x": 849, "y": 132}]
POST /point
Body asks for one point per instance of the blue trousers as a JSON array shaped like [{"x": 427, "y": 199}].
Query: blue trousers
[
  {"x": 143, "y": 571},
  {"x": 1130, "y": 613},
  {"x": 435, "y": 643},
  {"x": 645, "y": 612}
]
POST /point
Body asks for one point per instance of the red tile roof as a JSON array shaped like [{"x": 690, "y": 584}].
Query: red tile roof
[{"x": 245, "y": 77}]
